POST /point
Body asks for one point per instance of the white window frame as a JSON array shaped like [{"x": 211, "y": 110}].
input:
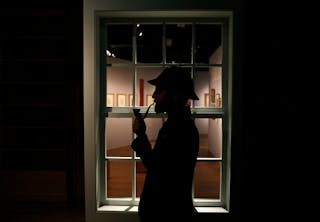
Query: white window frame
[{"x": 93, "y": 113}]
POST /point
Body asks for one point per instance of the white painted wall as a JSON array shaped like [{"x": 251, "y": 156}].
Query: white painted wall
[{"x": 215, "y": 125}]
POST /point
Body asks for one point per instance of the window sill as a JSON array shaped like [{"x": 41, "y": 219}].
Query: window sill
[{"x": 112, "y": 208}]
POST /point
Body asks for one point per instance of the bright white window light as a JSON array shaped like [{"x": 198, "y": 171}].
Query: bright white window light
[{"x": 113, "y": 208}]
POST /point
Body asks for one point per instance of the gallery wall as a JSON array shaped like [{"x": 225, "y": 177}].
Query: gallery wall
[
  {"x": 120, "y": 82},
  {"x": 215, "y": 125}
]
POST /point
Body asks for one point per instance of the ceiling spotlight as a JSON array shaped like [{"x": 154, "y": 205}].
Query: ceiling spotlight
[
  {"x": 140, "y": 34},
  {"x": 110, "y": 54}
]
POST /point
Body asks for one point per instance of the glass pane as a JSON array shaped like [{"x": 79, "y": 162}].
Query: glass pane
[
  {"x": 144, "y": 90},
  {"x": 119, "y": 86},
  {"x": 119, "y": 43},
  {"x": 208, "y": 86},
  {"x": 149, "y": 43},
  {"x": 178, "y": 43},
  {"x": 118, "y": 137},
  {"x": 207, "y": 180},
  {"x": 119, "y": 178},
  {"x": 208, "y": 42},
  {"x": 141, "y": 174},
  {"x": 210, "y": 133}
]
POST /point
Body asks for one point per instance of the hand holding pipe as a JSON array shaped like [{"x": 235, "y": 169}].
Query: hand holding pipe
[{"x": 139, "y": 126}]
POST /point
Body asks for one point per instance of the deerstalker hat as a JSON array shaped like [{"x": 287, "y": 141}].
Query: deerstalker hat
[{"x": 176, "y": 78}]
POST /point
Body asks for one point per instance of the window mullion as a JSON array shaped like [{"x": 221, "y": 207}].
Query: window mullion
[
  {"x": 164, "y": 52},
  {"x": 226, "y": 123},
  {"x": 133, "y": 154},
  {"x": 193, "y": 42},
  {"x": 102, "y": 125}
]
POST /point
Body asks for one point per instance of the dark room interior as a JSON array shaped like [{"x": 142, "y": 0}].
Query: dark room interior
[{"x": 42, "y": 128}]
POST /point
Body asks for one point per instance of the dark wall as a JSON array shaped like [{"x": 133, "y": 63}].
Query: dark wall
[
  {"x": 41, "y": 113},
  {"x": 276, "y": 136}
]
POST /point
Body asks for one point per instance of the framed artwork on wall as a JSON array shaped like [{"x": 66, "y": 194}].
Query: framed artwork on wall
[
  {"x": 206, "y": 99},
  {"x": 219, "y": 102},
  {"x": 121, "y": 100},
  {"x": 110, "y": 99},
  {"x": 212, "y": 96},
  {"x": 130, "y": 99}
]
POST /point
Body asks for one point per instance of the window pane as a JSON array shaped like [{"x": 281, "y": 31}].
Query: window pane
[
  {"x": 119, "y": 178},
  {"x": 119, "y": 86},
  {"x": 216, "y": 86},
  {"x": 149, "y": 43},
  {"x": 119, "y": 43},
  {"x": 210, "y": 132},
  {"x": 141, "y": 174},
  {"x": 118, "y": 137},
  {"x": 207, "y": 180},
  {"x": 208, "y": 39},
  {"x": 178, "y": 43},
  {"x": 144, "y": 90},
  {"x": 208, "y": 86}
]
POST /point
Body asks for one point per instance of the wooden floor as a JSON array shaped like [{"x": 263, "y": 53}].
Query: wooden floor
[
  {"x": 119, "y": 179},
  {"x": 119, "y": 174},
  {"x": 127, "y": 151}
]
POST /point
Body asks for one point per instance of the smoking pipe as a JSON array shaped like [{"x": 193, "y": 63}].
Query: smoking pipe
[{"x": 138, "y": 114}]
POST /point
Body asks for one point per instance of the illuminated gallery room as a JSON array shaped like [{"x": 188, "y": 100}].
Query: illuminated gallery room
[{"x": 137, "y": 53}]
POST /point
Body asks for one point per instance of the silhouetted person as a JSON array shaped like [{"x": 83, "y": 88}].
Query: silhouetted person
[{"x": 167, "y": 190}]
